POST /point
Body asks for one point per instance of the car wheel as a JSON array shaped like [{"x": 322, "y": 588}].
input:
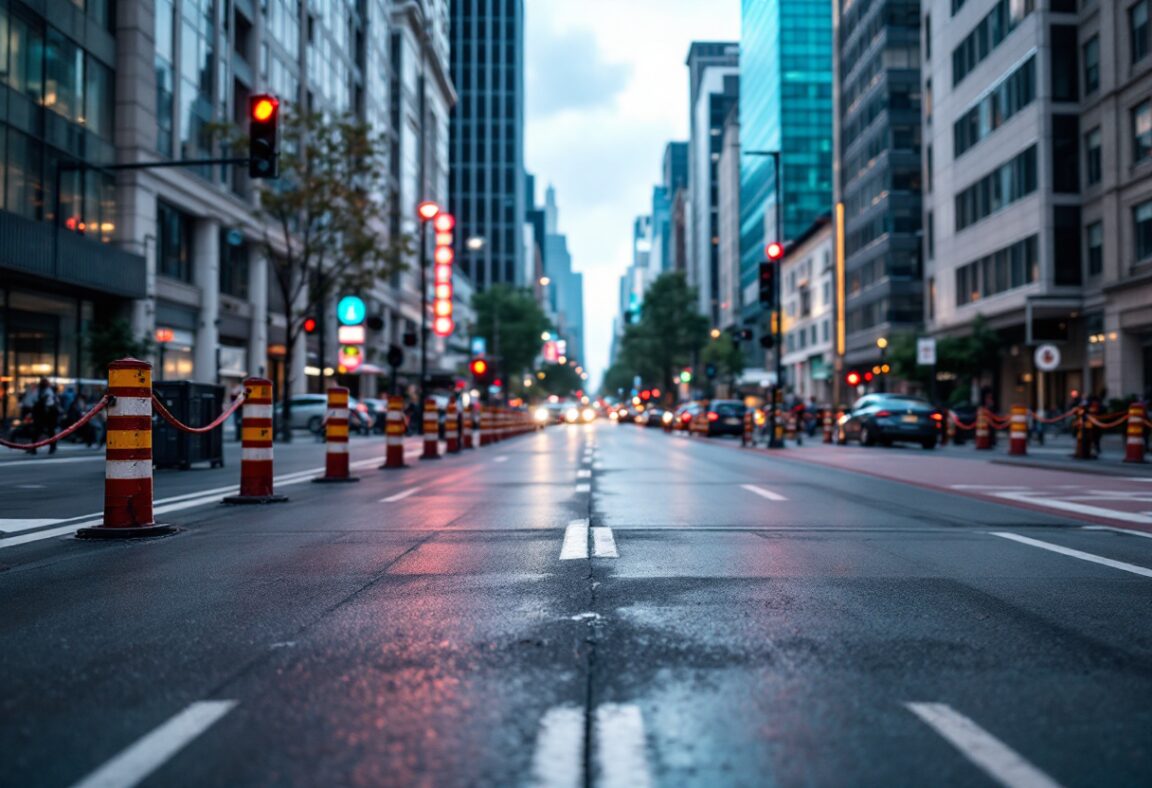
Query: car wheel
[
  {"x": 866, "y": 438},
  {"x": 929, "y": 444},
  {"x": 314, "y": 425}
]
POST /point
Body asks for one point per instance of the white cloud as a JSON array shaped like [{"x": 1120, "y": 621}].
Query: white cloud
[{"x": 608, "y": 89}]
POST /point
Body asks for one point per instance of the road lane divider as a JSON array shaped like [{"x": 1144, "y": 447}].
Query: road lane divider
[
  {"x": 400, "y": 496},
  {"x": 1112, "y": 528},
  {"x": 256, "y": 480},
  {"x": 501, "y": 458},
  {"x": 584, "y": 473},
  {"x": 1075, "y": 508},
  {"x": 621, "y": 747},
  {"x": 558, "y": 759},
  {"x": 583, "y": 488},
  {"x": 996, "y": 759},
  {"x": 1071, "y": 553},
  {"x": 135, "y": 764},
  {"x": 603, "y": 543},
  {"x": 575, "y": 541},
  {"x": 336, "y": 439},
  {"x": 768, "y": 494}
]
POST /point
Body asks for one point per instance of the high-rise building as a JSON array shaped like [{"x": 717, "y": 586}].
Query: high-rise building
[
  {"x": 668, "y": 198},
  {"x": 878, "y": 169},
  {"x": 183, "y": 249},
  {"x": 565, "y": 289},
  {"x": 785, "y": 110},
  {"x": 487, "y": 135},
  {"x": 714, "y": 88},
  {"x": 1002, "y": 187},
  {"x": 728, "y": 198}
]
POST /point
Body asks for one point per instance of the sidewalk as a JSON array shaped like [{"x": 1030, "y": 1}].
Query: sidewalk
[{"x": 1056, "y": 454}]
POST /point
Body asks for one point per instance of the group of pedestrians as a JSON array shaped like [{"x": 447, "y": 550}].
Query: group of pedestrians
[{"x": 45, "y": 410}]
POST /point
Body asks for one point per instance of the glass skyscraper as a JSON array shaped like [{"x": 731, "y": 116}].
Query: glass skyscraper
[{"x": 785, "y": 106}]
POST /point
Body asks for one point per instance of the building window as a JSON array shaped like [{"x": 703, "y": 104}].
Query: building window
[
  {"x": 1141, "y": 132},
  {"x": 1091, "y": 65},
  {"x": 1092, "y": 156},
  {"x": 1068, "y": 267},
  {"x": 1142, "y": 215},
  {"x": 1066, "y": 153},
  {"x": 1005, "y": 269},
  {"x": 1065, "y": 69},
  {"x": 987, "y": 35},
  {"x": 174, "y": 243},
  {"x": 1094, "y": 238},
  {"x": 1004, "y": 100},
  {"x": 233, "y": 263},
  {"x": 996, "y": 190},
  {"x": 1138, "y": 29}
]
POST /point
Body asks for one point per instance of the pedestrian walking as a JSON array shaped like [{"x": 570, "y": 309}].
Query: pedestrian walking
[{"x": 44, "y": 412}]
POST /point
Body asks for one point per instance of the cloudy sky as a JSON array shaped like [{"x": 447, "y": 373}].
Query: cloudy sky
[{"x": 606, "y": 89}]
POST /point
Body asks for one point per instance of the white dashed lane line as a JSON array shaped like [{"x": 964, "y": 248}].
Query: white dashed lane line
[
  {"x": 603, "y": 543},
  {"x": 558, "y": 761},
  {"x": 400, "y": 496},
  {"x": 621, "y": 747},
  {"x": 583, "y": 488},
  {"x": 575, "y": 541},
  {"x": 771, "y": 496},
  {"x": 1068, "y": 551},
  {"x": 992, "y": 756},
  {"x": 583, "y": 474},
  {"x": 134, "y": 764}
]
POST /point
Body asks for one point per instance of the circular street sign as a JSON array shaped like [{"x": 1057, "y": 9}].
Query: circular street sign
[
  {"x": 351, "y": 310},
  {"x": 1047, "y": 358}
]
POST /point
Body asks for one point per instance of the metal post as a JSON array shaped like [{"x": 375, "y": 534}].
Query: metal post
[
  {"x": 423, "y": 317},
  {"x": 778, "y": 334}
]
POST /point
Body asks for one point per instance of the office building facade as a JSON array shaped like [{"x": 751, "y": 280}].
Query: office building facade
[{"x": 487, "y": 135}]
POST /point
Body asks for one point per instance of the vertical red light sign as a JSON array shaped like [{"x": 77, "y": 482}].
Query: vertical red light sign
[{"x": 442, "y": 324}]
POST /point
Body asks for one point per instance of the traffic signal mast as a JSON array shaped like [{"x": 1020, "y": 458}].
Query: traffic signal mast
[
  {"x": 770, "y": 299},
  {"x": 263, "y": 136}
]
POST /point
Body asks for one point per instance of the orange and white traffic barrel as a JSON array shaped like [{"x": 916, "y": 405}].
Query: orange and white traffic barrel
[
  {"x": 469, "y": 429},
  {"x": 1018, "y": 431},
  {"x": 394, "y": 431},
  {"x": 431, "y": 431},
  {"x": 746, "y": 436},
  {"x": 497, "y": 424},
  {"x": 452, "y": 428},
  {"x": 827, "y": 425},
  {"x": 983, "y": 430},
  {"x": 336, "y": 438},
  {"x": 256, "y": 432},
  {"x": 949, "y": 435},
  {"x": 1134, "y": 440},
  {"x": 128, "y": 456}
]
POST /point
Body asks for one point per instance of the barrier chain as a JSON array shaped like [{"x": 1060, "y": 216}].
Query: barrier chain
[
  {"x": 175, "y": 422},
  {"x": 102, "y": 403}
]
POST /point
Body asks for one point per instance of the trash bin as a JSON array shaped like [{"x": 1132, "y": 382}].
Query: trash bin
[{"x": 194, "y": 404}]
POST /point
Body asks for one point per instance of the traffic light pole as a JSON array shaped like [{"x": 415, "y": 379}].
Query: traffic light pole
[{"x": 423, "y": 318}]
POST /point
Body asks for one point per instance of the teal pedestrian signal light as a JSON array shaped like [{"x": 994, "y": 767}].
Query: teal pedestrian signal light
[
  {"x": 351, "y": 311},
  {"x": 263, "y": 136}
]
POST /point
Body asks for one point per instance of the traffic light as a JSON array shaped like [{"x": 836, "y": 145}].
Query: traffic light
[
  {"x": 710, "y": 371},
  {"x": 767, "y": 284},
  {"x": 481, "y": 370},
  {"x": 774, "y": 251},
  {"x": 685, "y": 376},
  {"x": 853, "y": 378},
  {"x": 767, "y": 341},
  {"x": 263, "y": 136},
  {"x": 310, "y": 325}
]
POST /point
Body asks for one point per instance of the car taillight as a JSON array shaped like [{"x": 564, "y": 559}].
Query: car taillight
[
  {"x": 938, "y": 416},
  {"x": 713, "y": 415},
  {"x": 883, "y": 414},
  {"x": 686, "y": 417}
]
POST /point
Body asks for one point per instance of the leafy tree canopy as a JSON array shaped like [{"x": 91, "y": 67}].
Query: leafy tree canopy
[{"x": 512, "y": 323}]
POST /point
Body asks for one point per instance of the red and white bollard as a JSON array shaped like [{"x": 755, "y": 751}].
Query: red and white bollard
[
  {"x": 827, "y": 425},
  {"x": 469, "y": 428},
  {"x": 336, "y": 438},
  {"x": 394, "y": 429},
  {"x": 431, "y": 431},
  {"x": 452, "y": 428},
  {"x": 1134, "y": 440},
  {"x": 1018, "y": 431},
  {"x": 983, "y": 430},
  {"x": 128, "y": 456},
  {"x": 256, "y": 432}
]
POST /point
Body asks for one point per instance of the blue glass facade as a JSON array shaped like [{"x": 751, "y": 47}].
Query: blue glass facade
[{"x": 786, "y": 106}]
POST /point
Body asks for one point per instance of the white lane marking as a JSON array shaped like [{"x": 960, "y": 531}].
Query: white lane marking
[
  {"x": 400, "y": 496},
  {"x": 145, "y": 756},
  {"x": 992, "y": 756},
  {"x": 15, "y": 525},
  {"x": 620, "y": 747},
  {"x": 57, "y": 461},
  {"x": 603, "y": 543},
  {"x": 174, "y": 503},
  {"x": 583, "y": 488},
  {"x": 1078, "y": 508},
  {"x": 771, "y": 496},
  {"x": 583, "y": 473},
  {"x": 575, "y": 541},
  {"x": 987, "y": 487},
  {"x": 501, "y": 458},
  {"x": 1128, "y": 531},
  {"x": 558, "y": 761},
  {"x": 1068, "y": 551}
]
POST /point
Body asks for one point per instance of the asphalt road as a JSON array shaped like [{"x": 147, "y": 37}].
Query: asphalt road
[{"x": 599, "y": 605}]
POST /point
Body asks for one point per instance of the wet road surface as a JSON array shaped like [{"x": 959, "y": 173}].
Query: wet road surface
[{"x": 588, "y": 605}]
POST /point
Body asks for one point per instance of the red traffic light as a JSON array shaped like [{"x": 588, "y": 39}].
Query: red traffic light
[
  {"x": 309, "y": 325},
  {"x": 852, "y": 378},
  {"x": 444, "y": 222},
  {"x": 774, "y": 250},
  {"x": 479, "y": 367},
  {"x": 427, "y": 210},
  {"x": 264, "y": 107}
]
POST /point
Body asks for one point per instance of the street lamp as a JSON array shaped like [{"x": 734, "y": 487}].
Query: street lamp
[
  {"x": 545, "y": 281},
  {"x": 427, "y": 211},
  {"x": 882, "y": 343},
  {"x": 715, "y": 333}
]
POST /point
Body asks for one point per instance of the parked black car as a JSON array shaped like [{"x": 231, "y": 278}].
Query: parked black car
[
  {"x": 726, "y": 417},
  {"x": 891, "y": 418}
]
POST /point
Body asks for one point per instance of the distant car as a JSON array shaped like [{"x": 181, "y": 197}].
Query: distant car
[
  {"x": 308, "y": 412},
  {"x": 726, "y": 417},
  {"x": 651, "y": 417},
  {"x": 891, "y": 418},
  {"x": 685, "y": 414}
]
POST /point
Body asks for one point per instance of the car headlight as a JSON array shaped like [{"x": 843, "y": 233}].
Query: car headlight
[
  {"x": 571, "y": 415},
  {"x": 540, "y": 415},
  {"x": 588, "y": 415},
  {"x": 667, "y": 417}
]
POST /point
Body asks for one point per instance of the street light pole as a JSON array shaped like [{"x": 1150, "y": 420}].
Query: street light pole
[
  {"x": 777, "y": 329},
  {"x": 423, "y": 313}
]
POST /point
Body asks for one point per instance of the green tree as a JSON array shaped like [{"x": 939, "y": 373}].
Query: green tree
[
  {"x": 511, "y": 321},
  {"x": 969, "y": 357},
  {"x": 669, "y": 334},
  {"x": 325, "y": 218},
  {"x": 559, "y": 379},
  {"x": 727, "y": 357},
  {"x": 107, "y": 342}
]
